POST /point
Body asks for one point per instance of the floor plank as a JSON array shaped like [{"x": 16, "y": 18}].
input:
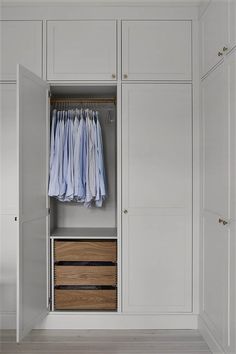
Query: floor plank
[{"x": 105, "y": 342}]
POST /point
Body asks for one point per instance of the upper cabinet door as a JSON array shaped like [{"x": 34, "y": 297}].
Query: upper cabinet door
[
  {"x": 218, "y": 34},
  {"x": 81, "y": 50},
  {"x": 156, "y": 50},
  {"x": 32, "y": 99},
  {"x": 20, "y": 43}
]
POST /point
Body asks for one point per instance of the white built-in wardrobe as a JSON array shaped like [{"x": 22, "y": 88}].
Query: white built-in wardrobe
[{"x": 134, "y": 263}]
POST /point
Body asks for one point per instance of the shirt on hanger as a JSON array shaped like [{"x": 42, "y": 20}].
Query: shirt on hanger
[{"x": 77, "y": 171}]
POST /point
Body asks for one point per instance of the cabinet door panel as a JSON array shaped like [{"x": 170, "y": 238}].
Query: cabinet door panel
[
  {"x": 21, "y": 43},
  {"x": 8, "y": 240},
  {"x": 158, "y": 265},
  {"x": 231, "y": 65},
  {"x": 214, "y": 33},
  {"x": 219, "y": 252},
  {"x": 81, "y": 50},
  {"x": 215, "y": 301},
  {"x": 156, "y": 50},
  {"x": 232, "y": 23},
  {"x": 216, "y": 137},
  {"x": 8, "y": 157},
  {"x": 32, "y": 272},
  {"x": 157, "y": 192}
]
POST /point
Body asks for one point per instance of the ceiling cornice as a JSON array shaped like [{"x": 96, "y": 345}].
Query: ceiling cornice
[{"x": 161, "y": 3}]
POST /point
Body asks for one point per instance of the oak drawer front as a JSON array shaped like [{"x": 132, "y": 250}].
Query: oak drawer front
[
  {"x": 85, "y": 299},
  {"x": 97, "y": 251},
  {"x": 85, "y": 275}
]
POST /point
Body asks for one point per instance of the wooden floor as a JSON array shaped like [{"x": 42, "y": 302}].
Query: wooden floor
[{"x": 105, "y": 342}]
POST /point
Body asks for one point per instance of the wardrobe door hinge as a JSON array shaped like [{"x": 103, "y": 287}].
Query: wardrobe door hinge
[
  {"x": 49, "y": 211},
  {"x": 49, "y": 94}
]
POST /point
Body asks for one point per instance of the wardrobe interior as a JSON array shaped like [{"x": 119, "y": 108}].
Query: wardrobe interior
[
  {"x": 67, "y": 215},
  {"x": 83, "y": 239}
]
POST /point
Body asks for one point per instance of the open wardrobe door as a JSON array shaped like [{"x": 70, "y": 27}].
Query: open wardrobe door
[{"x": 32, "y": 111}]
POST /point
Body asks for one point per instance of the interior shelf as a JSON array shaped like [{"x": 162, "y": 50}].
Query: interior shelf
[{"x": 92, "y": 232}]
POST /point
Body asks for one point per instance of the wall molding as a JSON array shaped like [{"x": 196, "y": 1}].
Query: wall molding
[
  {"x": 109, "y": 3},
  {"x": 118, "y": 321},
  {"x": 59, "y": 320},
  {"x": 210, "y": 339}
]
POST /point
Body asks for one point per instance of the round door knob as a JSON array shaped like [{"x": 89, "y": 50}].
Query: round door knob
[
  {"x": 225, "y": 49},
  {"x": 125, "y": 76},
  {"x": 220, "y": 54},
  {"x": 125, "y": 211},
  {"x": 113, "y": 76}
]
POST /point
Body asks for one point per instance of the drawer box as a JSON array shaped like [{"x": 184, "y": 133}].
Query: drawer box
[
  {"x": 97, "y": 251},
  {"x": 99, "y": 299},
  {"x": 85, "y": 275}
]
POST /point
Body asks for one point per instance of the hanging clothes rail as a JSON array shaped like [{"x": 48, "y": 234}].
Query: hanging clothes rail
[{"x": 80, "y": 100}]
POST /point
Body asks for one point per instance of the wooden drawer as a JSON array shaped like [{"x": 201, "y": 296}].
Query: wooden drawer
[
  {"x": 104, "y": 251},
  {"x": 99, "y": 299},
  {"x": 85, "y": 275}
]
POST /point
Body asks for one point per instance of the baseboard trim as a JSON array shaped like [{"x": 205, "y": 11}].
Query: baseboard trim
[
  {"x": 118, "y": 321},
  {"x": 107, "y": 321},
  {"x": 214, "y": 346},
  {"x": 8, "y": 320}
]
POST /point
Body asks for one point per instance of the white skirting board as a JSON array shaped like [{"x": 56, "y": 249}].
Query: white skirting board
[
  {"x": 208, "y": 337},
  {"x": 7, "y": 320},
  {"x": 105, "y": 321},
  {"x": 118, "y": 321}
]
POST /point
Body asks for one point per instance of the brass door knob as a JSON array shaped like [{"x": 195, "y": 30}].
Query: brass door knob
[
  {"x": 113, "y": 76},
  {"x": 222, "y": 221},
  {"x": 125, "y": 211},
  {"x": 125, "y": 76},
  {"x": 220, "y": 54}
]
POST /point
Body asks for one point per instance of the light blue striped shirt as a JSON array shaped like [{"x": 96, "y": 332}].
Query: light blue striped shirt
[{"x": 77, "y": 170}]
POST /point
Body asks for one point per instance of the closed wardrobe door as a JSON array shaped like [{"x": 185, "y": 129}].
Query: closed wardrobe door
[
  {"x": 215, "y": 202},
  {"x": 157, "y": 198},
  {"x": 218, "y": 243}
]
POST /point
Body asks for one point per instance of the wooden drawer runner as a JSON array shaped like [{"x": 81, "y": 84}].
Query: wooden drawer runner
[
  {"x": 85, "y": 299},
  {"x": 104, "y": 251},
  {"x": 85, "y": 275}
]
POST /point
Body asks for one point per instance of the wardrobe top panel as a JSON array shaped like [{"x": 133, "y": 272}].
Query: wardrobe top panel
[
  {"x": 145, "y": 10},
  {"x": 84, "y": 91}
]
